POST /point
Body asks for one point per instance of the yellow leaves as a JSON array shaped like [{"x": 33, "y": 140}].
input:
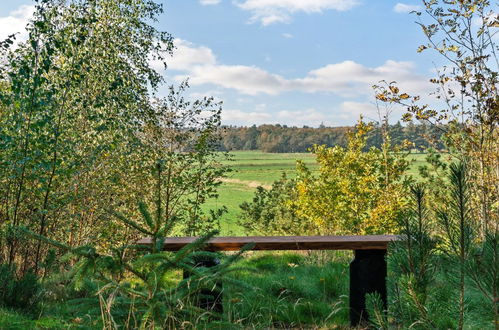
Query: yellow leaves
[
  {"x": 381, "y": 97},
  {"x": 349, "y": 193},
  {"x": 406, "y": 144},
  {"x": 390, "y": 94},
  {"x": 421, "y": 48},
  {"x": 394, "y": 89}
]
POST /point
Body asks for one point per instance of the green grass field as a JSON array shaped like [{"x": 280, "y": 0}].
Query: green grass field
[{"x": 256, "y": 168}]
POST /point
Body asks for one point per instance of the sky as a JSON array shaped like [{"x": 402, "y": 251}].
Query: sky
[{"x": 292, "y": 62}]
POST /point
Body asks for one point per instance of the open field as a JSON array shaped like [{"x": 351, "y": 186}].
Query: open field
[{"x": 254, "y": 168}]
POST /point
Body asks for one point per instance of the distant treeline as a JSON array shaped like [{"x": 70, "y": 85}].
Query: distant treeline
[{"x": 281, "y": 138}]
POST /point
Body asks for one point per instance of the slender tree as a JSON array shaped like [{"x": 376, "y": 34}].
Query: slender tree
[{"x": 73, "y": 97}]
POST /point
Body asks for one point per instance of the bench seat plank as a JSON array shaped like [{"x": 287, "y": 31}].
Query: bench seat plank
[{"x": 233, "y": 243}]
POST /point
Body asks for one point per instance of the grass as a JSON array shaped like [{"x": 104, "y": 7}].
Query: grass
[
  {"x": 288, "y": 290},
  {"x": 256, "y": 168},
  {"x": 265, "y": 168},
  {"x": 12, "y": 320},
  {"x": 249, "y": 170},
  {"x": 281, "y": 290}
]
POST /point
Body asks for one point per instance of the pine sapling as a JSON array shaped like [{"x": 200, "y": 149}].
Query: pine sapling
[
  {"x": 412, "y": 260},
  {"x": 457, "y": 226}
]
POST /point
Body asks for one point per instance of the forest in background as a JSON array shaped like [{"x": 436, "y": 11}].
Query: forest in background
[{"x": 282, "y": 138}]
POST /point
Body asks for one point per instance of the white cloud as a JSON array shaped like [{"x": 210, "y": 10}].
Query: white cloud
[
  {"x": 358, "y": 108},
  {"x": 353, "y": 110},
  {"x": 405, "y": 8},
  {"x": 347, "y": 79},
  {"x": 280, "y": 11},
  {"x": 261, "y": 107},
  {"x": 16, "y": 23},
  {"x": 186, "y": 56},
  {"x": 215, "y": 94},
  {"x": 209, "y": 2},
  {"x": 239, "y": 117},
  {"x": 309, "y": 117},
  {"x": 248, "y": 80},
  {"x": 287, "y": 35},
  {"x": 350, "y": 79}
]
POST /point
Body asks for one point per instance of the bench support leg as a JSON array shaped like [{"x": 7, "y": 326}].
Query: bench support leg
[
  {"x": 367, "y": 275},
  {"x": 209, "y": 299}
]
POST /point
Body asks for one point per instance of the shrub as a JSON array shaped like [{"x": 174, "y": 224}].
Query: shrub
[
  {"x": 357, "y": 191},
  {"x": 18, "y": 293}
]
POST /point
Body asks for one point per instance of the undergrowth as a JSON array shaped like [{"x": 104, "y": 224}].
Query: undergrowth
[{"x": 288, "y": 290}]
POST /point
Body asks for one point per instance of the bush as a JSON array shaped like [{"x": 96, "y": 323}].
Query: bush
[
  {"x": 18, "y": 293},
  {"x": 356, "y": 191}
]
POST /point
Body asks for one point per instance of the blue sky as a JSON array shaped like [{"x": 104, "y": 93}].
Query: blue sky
[{"x": 294, "y": 62}]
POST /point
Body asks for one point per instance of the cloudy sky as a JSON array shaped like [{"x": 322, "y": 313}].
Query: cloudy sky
[{"x": 294, "y": 62}]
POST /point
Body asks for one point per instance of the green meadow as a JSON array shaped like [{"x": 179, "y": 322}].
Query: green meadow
[{"x": 251, "y": 169}]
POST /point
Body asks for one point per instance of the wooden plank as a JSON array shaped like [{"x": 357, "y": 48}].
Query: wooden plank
[{"x": 232, "y": 243}]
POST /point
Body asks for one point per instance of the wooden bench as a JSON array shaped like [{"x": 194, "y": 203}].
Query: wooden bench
[{"x": 367, "y": 269}]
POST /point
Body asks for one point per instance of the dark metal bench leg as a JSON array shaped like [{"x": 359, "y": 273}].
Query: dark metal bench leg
[
  {"x": 367, "y": 275},
  {"x": 211, "y": 300}
]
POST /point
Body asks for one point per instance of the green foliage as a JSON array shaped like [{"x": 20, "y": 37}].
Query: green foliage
[
  {"x": 376, "y": 310},
  {"x": 483, "y": 270},
  {"x": 355, "y": 192},
  {"x": 18, "y": 293},
  {"x": 412, "y": 263},
  {"x": 73, "y": 97},
  {"x": 455, "y": 219},
  {"x": 462, "y": 33},
  {"x": 434, "y": 174},
  {"x": 284, "y": 139},
  {"x": 82, "y": 138},
  {"x": 129, "y": 286},
  {"x": 12, "y": 320},
  {"x": 289, "y": 291},
  {"x": 181, "y": 144},
  {"x": 270, "y": 212},
  {"x": 81, "y": 129},
  {"x": 433, "y": 280}
]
